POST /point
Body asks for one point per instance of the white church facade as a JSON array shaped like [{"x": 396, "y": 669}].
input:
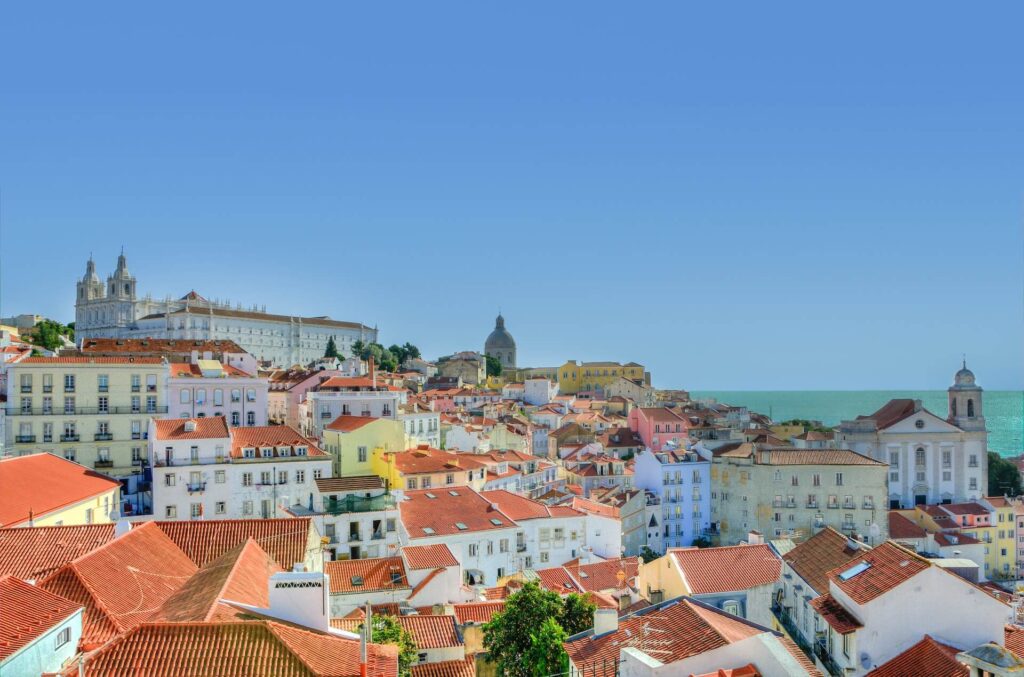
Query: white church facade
[
  {"x": 114, "y": 310},
  {"x": 931, "y": 459}
]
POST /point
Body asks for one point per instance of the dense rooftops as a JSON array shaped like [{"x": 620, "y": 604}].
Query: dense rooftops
[{"x": 38, "y": 484}]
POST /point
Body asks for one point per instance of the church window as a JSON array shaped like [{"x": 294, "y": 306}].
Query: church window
[
  {"x": 953, "y": 408},
  {"x": 919, "y": 456},
  {"x": 970, "y": 408}
]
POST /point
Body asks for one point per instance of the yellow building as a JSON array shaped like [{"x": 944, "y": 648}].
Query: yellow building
[
  {"x": 91, "y": 410},
  {"x": 426, "y": 468},
  {"x": 353, "y": 441},
  {"x": 1002, "y": 554},
  {"x": 44, "y": 490},
  {"x": 574, "y": 377}
]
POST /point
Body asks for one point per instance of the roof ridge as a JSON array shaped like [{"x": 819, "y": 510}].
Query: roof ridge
[{"x": 231, "y": 575}]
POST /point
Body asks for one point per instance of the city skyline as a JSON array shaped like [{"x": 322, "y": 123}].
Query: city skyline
[{"x": 768, "y": 207}]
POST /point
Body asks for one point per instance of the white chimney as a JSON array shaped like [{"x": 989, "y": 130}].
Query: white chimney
[
  {"x": 190, "y": 426},
  {"x": 302, "y": 598},
  {"x": 122, "y": 527},
  {"x": 605, "y": 620},
  {"x": 755, "y": 538}
]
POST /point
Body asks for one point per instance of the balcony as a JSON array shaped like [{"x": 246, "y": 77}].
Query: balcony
[
  {"x": 69, "y": 389},
  {"x": 822, "y": 654},
  {"x": 791, "y": 504},
  {"x": 520, "y": 547},
  {"x": 103, "y": 389},
  {"x": 377, "y": 535},
  {"x": 354, "y": 537},
  {"x": 849, "y": 505},
  {"x": 136, "y": 389},
  {"x": 778, "y": 503},
  {"x": 70, "y": 438},
  {"x": 103, "y": 437},
  {"x": 848, "y": 526},
  {"x": 83, "y": 411},
  {"x": 833, "y": 506},
  {"x": 26, "y": 389},
  {"x": 140, "y": 436},
  {"x": 786, "y": 621},
  {"x": 24, "y": 439},
  {"x": 325, "y": 414},
  {"x": 103, "y": 463},
  {"x": 812, "y": 504},
  {"x": 47, "y": 388},
  {"x": 868, "y": 505},
  {"x": 196, "y": 487},
  {"x": 351, "y": 504}
]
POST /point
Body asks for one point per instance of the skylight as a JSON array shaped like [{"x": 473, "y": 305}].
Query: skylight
[
  {"x": 460, "y": 526},
  {"x": 428, "y": 530},
  {"x": 430, "y": 495},
  {"x": 453, "y": 493},
  {"x": 858, "y": 568},
  {"x": 496, "y": 522},
  {"x": 357, "y": 580}
]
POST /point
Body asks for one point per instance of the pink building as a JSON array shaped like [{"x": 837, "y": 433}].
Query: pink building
[
  {"x": 288, "y": 390},
  {"x": 209, "y": 388},
  {"x": 967, "y": 515},
  {"x": 659, "y": 427}
]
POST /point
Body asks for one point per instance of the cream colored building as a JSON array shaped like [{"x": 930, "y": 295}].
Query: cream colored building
[
  {"x": 91, "y": 410},
  {"x": 794, "y": 493}
]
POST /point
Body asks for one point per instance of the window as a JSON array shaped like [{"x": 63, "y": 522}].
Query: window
[
  {"x": 919, "y": 456},
  {"x": 247, "y": 479},
  {"x": 218, "y": 397},
  {"x": 778, "y": 475},
  {"x": 265, "y": 477},
  {"x": 894, "y": 459},
  {"x": 88, "y": 515},
  {"x": 390, "y": 525},
  {"x": 236, "y": 395},
  {"x": 136, "y": 455},
  {"x": 196, "y": 510},
  {"x": 973, "y": 461},
  {"x": 220, "y": 507},
  {"x": 426, "y": 482},
  {"x": 250, "y": 418},
  {"x": 817, "y": 479},
  {"x": 449, "y": 478},
  {"x": 972, "y": 484},
  {"x": 282, "y": 477},
  {"x": 103, "y": 382},
  {"x": 136, "y": 406},
  {"x": 62, "y": 638},
  {"x": 171, "y": 512},
  {"x": 250, "y": 395},
  {"x": 300, "y": 476},
  {"x": 136, "y": 383},
  {"x": 69, "y": 454},
  {"x": 150, "y": 383},
  {"x": 103, "y": 404},
  {"x": 947, "y": 458},
  {"x": 246, "y": 507},
  {"x": 317, "y": 474},
  {"x": 69, "y": 383},
  {"x": 169, "y": 480},
  {"x": 894, "y": 476},
  {"x": 544, "y": 557},
  {"x": 69, "y": 405},
  {"x": 503, "y": 545},
  {"x": 200, "y": 396},
  {"x": 362, "y": 454},
  {"x": 150, "y": 404},
  {"x": 236, "y": 419},
  {"x": 947, "y": 476},
  {"x": 186, "y": 396},
  {"x": 410, "y": 483},
  {"x": 839, "y": 479},
  {"x": 795, "y": 481},
  {"x": 474, "y": 549},
  {"x": 219, "y": 477}
]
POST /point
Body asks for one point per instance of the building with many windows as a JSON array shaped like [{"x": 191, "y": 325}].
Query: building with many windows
[
  {"x": 351, "y": 396},
  {"x": 91, "y": 410},
  {"x": 210, "y": 388},
  {"x": 794, "y": 493},
  {"x": 202, "y": 469},
  {"x": 114, "y": 310},
  {"x": 681, "y": 482}
]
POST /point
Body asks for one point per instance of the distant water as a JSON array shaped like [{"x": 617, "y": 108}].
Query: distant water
[{"x": 1004, "y": 410}]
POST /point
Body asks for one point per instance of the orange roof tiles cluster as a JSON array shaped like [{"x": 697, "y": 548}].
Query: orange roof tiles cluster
[
  {"x": 202, "y": 541},
  {"x": 207, "y": 428},
  {"x": 463, "y": 668},
  {"x": 367, "y": 575},
  {"x": 927, "y": 657},
  {"x": 819, "y": 554},
  {"x": 238, "y": 649},
  {"x": 519, "y": 507},
  {"x": 39, "y": 484},
  {"x": 477, "y": 612},
  {"x": 428, "y": 631},
  {"x": 429, "y": 556},
  {"x": 92, "y": 359},
  {"x": 186, "y": 369},
  {"x": 153, "y": 345},
  {"x": 835, "y": 614},
  {"x": 27, "y": 613},
  {"x": 277, "y": 437},
  {"x": 889, "y": 565},
  {"x": 427, "y": 460},
  {"x": 347, "y": 424},
  {"x": 32, "y": 554},
  {"x": 440, "y": 512},
  {"x": 727, "y": 569},
  {"x": 779, "y": 455},
  {"x": 901, "y": 526}
]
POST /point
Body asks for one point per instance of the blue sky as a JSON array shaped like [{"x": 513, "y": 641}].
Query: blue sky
[{"x": 740, "y": 196}]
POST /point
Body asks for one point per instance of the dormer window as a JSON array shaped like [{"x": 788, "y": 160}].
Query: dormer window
[
  {"x": 249, "y": 452},
  {"x": 300, "y": 451},
  {"x": 267, "y": 452}
]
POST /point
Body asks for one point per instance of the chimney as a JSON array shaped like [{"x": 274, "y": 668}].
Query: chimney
[
  {"x": 295, "y": 595},
  {"x": 122, "y": 527},
  {"x": 190, "y": 426},
  {"x": 918, "y": 405},
  {"x": 605, "y": 620},
  {"x": 755, "y": 538}
]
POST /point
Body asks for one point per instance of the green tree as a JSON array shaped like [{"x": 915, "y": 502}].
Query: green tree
[
  {"x": 508, "y": 635},
  {"x": 577, "y": 614},
  {"x": 332, "y": 348},
  {"x": 411, "y": 351},
  {"x": 357, "y": 349},
  {"x": 48, "y": 333},
  {"x": 648, "y": 555},
  {"x": 387, "y": 360},
  {"x": 546, "y": 654},
  {"x": 493, "y": 366},
  {"x": 398, "y": 352},
  {"x": 1003, "y": 476},
  {"x": 702, "y": 542},
  {"x": 386, "y": 630}
]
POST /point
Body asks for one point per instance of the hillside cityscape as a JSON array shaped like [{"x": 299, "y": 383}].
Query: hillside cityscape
[{"x": 188, "y": 486}]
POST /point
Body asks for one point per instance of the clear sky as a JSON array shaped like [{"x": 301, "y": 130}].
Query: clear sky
[{"x": 745, "y": 196}]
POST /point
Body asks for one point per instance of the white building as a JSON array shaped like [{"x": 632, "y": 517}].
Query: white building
[
  {"x": 358, "y": 396},
  {"x": 682, "y": 482},
  {"x": 539, "y": 391},
  {"x": 204, "y": 470},
  {"x": 209, "y": 388},
  {"x": 113, "y": 310},
  {"x": 422, "y": 426},
  {"x": 931, "y": 459}
]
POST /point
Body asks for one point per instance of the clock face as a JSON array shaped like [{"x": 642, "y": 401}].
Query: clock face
[{"x": 919, "y": 423}]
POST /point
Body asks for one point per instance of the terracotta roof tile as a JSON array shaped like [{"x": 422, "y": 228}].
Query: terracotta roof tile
[
  {"x": 1013, "y": 636},
  {"x": 212, "y": 427},
  {"x": 428, "y": 631},
  {"x": 32, "y": 554},
  {"x": 819, "y": 554},
  {"x": 463, "y": 668},
  {"x": 557, "y": 579},
  {"x": 187, "y": 369},
  {"x": 347, "y": 424},
  {"x": 92, "y": 359},
  {"x": 353, "y": 483},
  {"x": 927, "y": 657},
  {"x": 477, "y": 612},
  {"x": 440, "y": 512},
  {"x": 39, "y": 484},
  {"x": 890, "y": 565},
  {"x": 794, "y": 456},
  {"x": 901, "y": 526},
  {"x": 429, "y": 556},
  {"x": 727, "y": 569},
  {"x": 159, "y": 346},
  {"x": 123, "y": 582},
  {"x": 519, "y": 507},
  {"x": 27, "y": 613},
  {"x": 240, "y": 649},
  {"x": 427, "y": 460},
  {"x": 970, "y": 508},
  {"x": 202, "y": 541},
  {"x": 281, "y": 438},
  {"x": 833, "y": 613},
  {"x": 608, "y": 575},
  {"x": 367, "y": 575}
]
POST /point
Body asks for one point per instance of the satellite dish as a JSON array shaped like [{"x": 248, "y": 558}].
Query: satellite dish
[
  {"x": 874, "y": 531},
  {"x": 114, "y": 515},
  {"x": 865, "y": 660}
]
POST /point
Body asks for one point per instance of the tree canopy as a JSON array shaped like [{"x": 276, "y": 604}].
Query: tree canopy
[
  {"x": 493, "y": 365},
  {"x": 1003, "y": 476},
  {"x": 387, "y": 359},
  {"x": 332, "y": 348},
  {"x": 386, "y": 630},
  {"x": 47, "y": 333}
]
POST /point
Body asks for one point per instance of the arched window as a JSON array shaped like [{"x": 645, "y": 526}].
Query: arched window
[
  {"x": 953, "y": 407},
  {"x": 919, "y": 456},
  {"x": 970, "y": 408}
]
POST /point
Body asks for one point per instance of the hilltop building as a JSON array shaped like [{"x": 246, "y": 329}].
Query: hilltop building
[{"x": 501, "y": 345}]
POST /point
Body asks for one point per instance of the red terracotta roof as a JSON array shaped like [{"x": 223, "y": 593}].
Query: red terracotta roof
[
  {"x": 901, "y": 526},
  {"x": 427, "y": 460},
  {"x": 428, "y": 631},
  {"x": 890, "y": 565},
  {"x": 684, "y": 628},
  {"x": 357, "y": 382},
  {"x": 123, "y": 582},
  {"x": 27, "y": 613},
  {"x": 463, "y": 668},
  {"x": 281, "y": 438},
  {"x": 557, "y": 579},
  {"x": 180, "y": 369},
  {"x": 833, "y": 613},
  {"x": 202, "y": 541},
  {"x": 891, "y": 412},
  {"x": 727, "y": 569},
  {"x": 346, "y": 424},
  {"x": 477, "y": 612},
  {"x": 240, "y": 649},
  {"x": 429, "y": 556},
  {"x": 152, "y": 345},
  {"x": 439, "y": 512},
  {"x": 32, "y": 554},
  {"x": 927, "y": 657},
  {"x": 819, "y": 554},
  {"x": 92, "y": 359},
  {"x": 1013, "y": 636},
  {"x": 519, "y": 507},
  {"x": 39, "y": 484},
  {"x": 970, "y": 508},
  {"x": 367, "y": 575},
  {"x": 212, "y": 427},
  {"x": 608, "y": 575},
  {"x": 240, "y": 575}
]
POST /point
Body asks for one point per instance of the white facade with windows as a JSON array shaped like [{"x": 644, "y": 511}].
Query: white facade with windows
[
  {"x": 215, "y": 477},
  {"x": 421, "y": 426},
  {"x": 209, "y": 388},
  {"x": 335, "y": 397},
  {"x": 681, "y": 481}
]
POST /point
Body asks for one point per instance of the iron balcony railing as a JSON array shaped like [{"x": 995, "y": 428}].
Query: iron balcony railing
[
  {"x": 24, "y": 439},
  {"x": 84, "y": 411},
  {"x": 103, "y": 437},
  {"x": 70, "y": 438},
  {"x": 350, "y": 504},
  {"x": 196, "y": 487},
  {"x": 101, "y": 463},
  {"x": 822, "y": 654}
]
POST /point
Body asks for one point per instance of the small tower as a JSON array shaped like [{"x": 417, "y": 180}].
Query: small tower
[
  {"x": 965, "y": 401},
  {"x": 121, "y": 284},
  {"x": 89, "y": 287}
]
